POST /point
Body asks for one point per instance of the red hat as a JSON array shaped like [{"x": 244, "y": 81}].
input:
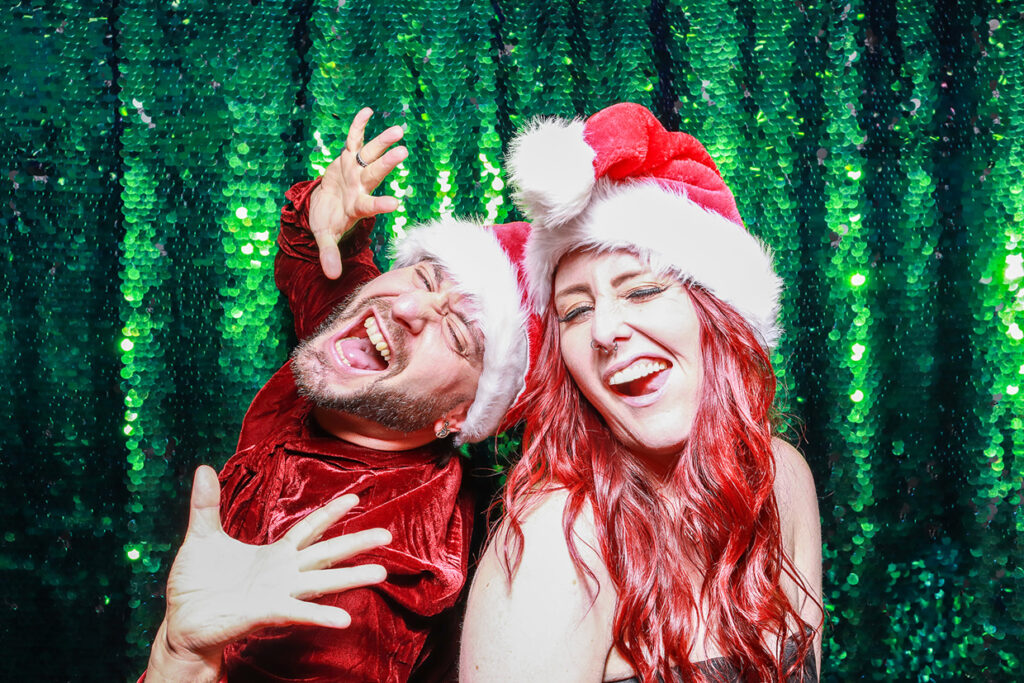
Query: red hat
[
  {"x": 486, "y": 262},
  {"x": 621, "y": 181}
]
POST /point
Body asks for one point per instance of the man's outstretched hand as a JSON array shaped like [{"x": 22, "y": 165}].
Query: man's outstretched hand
[
  {"x": 344, "y": 194},
  {"x": 220, "y": 589}
]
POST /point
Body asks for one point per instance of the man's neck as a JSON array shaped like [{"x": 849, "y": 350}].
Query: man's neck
[{"x": 370, "y": 434}]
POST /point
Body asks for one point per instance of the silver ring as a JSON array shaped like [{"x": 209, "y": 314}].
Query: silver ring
[
  {"x": 602, "y": 348},
  {"x": 359, "y": 160}
]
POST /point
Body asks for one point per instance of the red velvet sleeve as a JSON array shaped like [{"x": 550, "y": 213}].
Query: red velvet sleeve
[
  {"x": 311, "y": 295},
  {"x": 142, "y": 678}
]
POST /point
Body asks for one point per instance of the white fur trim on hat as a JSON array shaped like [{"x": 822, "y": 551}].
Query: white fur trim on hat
[
  {"x": 674, "y": 233},
  {"x": 552, "y": 192},
  {"x": 474, "y": 258}
]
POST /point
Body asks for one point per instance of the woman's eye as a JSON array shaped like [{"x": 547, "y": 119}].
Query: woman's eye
[
  {"x": 644, "y": 293},
  {"x": 574, "y": 312}
]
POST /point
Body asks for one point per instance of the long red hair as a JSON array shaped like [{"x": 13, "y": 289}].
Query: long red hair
[{"x": 722, "y": 483}]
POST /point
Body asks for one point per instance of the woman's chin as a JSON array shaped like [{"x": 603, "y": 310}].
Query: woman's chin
[{"x": 658, "y": 447}]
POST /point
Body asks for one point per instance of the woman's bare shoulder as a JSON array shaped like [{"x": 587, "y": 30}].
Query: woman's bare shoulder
[
  {"x": 545, "y": 546},
  {"x": 546, "y": 621},
  {"x": 793, "y": 477},
  {"x": 796, "y": 497}
]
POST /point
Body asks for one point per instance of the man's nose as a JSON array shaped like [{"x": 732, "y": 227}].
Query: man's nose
[{"x": 413, "y": 310}]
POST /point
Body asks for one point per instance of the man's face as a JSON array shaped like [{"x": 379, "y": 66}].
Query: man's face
[{"x": 402, "y": 351}]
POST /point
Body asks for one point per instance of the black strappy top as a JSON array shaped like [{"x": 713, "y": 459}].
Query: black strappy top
[{"x": 722, "y": 670}]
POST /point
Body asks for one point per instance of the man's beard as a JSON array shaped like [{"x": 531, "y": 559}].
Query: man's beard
[{"x": 392, "y": 407}]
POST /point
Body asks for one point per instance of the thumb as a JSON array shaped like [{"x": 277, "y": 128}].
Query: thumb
[
  {"x": 330, "y": 257},
  {"x": 204, "y": 507}
]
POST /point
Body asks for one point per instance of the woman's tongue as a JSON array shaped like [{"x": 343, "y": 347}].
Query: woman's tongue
[
  {"x": 360, "y": 353},
  {"x": 647, "y": 384}
]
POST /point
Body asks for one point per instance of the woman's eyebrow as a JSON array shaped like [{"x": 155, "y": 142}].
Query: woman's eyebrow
[
  {"x": 572, "y": 289},
  {"x": 584, "y": 289},
  {"x": 628, "y": 275}
]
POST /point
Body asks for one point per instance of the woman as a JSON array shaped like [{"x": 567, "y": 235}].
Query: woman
[{"x": 655, "y": 528}]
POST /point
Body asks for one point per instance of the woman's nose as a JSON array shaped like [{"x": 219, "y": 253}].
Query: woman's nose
[{"x": 607, "y": 327}]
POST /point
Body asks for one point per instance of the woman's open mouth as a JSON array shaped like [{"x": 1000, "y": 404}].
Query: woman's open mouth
[
  {"x": 363, "y": 347},
  {"x": 641, "y": 377}
]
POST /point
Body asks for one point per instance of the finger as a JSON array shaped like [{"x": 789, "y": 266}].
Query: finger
[
  {"x": 299, "y": 612},
  {"x": 309, "y": 528},
  {"x": 354, "y": 141},
  {"x": 330, "y": 256},
  {"x": 373, "y": 174},
  {"x": 368, "y": 205},
  {"x": 324, "y": 581},
  {"x": 204, "y": 505},
  {"x": 373, "y": 149},
  {"x": 334, "y": 550}
]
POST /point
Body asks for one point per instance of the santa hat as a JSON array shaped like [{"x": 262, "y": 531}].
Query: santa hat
[
  {"x": 486, "y": 264},
  {"x": 619, "y": 180}
]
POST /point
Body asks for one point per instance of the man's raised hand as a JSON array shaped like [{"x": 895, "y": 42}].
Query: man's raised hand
[
  {"x": 344, "y": 195},
  {"x": 220, "y": 589}
]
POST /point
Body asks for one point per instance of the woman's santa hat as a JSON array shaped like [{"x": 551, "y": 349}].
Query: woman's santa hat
[
  {"x": 619, "y": 180},
  {"x": 485, "y": 261}
]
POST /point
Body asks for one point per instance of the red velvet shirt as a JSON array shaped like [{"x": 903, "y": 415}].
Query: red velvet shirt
[{"x": 286, "y": 466}]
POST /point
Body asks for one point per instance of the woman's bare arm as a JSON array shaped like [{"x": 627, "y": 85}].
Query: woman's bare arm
[{"x": 801, "y": 534}]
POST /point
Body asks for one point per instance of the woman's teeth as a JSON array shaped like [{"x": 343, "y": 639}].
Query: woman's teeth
[
  {"x": 376, "y": 338},
  {"x": 636, "y": 371}
]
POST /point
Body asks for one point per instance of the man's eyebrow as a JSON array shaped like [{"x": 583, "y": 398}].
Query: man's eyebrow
[
  {"x": 440, "y": 275},
  {"x": 476, "y": 353}
]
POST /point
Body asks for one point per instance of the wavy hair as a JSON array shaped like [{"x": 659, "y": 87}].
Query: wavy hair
[{"x": 723, "y": 519}]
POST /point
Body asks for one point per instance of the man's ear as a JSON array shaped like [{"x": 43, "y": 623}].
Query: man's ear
[{"x": 452, "y": 421}]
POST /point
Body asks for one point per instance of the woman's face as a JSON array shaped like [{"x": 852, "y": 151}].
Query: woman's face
[{"x": 644, "y": 375}]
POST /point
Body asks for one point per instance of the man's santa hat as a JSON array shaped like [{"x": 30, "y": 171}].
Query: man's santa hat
[
  {"x": 619, "y": 180},
  {"x": 486, "y": 263}
]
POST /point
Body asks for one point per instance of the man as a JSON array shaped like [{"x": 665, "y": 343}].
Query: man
[{"x": 392, "y": 371}]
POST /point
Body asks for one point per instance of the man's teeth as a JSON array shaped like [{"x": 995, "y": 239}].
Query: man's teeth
[
  {"x": 636, "y": 371},
  {"x": 341, "y": 351},
  {"x": 376, "y": 338}
]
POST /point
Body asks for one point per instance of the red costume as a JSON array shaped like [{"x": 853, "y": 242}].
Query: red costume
[{"x": 286, "y": 466}]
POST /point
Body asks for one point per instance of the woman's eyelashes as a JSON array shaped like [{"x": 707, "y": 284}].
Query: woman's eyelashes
[
  {"x": 575, "y": 312},
  {"x": 635, "y": 295},
  {"x": 645, "y": 293}
]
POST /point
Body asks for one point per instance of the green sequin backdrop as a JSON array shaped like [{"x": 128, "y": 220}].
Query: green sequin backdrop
[{"x": 876, "y": 145}]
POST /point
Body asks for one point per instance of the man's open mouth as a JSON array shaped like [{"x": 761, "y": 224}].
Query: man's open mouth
[
  {"x": 364, "y": 347},
  {"x": 643, "y": 376}
]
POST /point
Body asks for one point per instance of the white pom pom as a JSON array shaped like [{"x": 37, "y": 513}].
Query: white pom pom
[{"x": 552, "y": 169}]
